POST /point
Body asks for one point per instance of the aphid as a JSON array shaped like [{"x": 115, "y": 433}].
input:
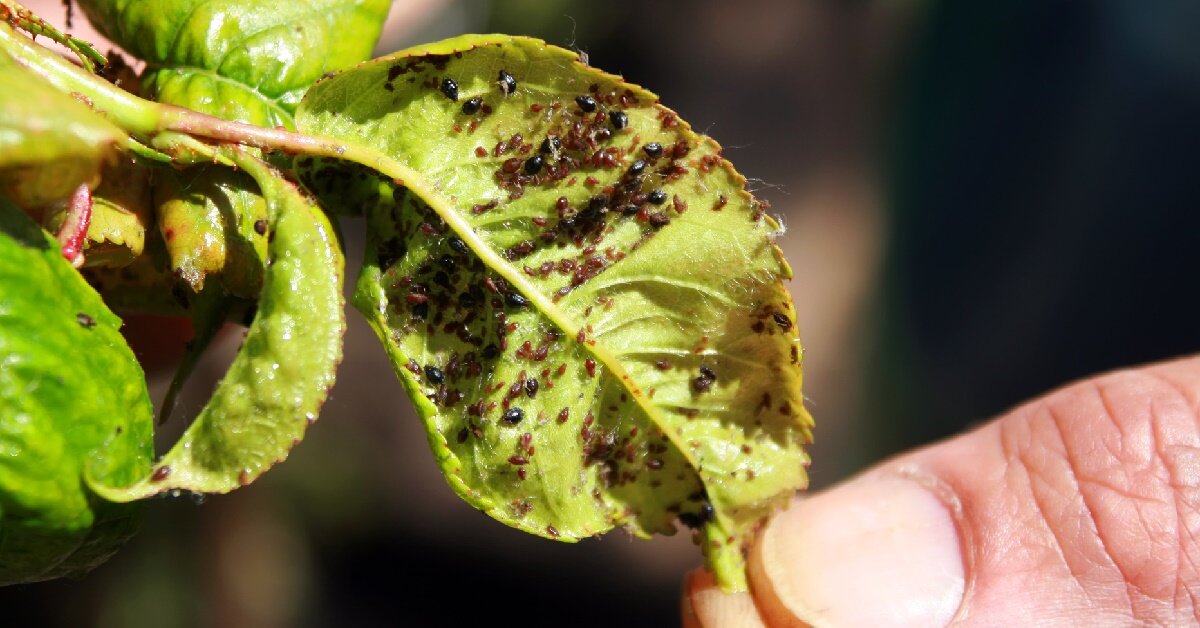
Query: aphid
[
  {"x": 659, "y": 219},
  {"x": 434, "y": 374},
  {"x": 447, "y": 262},
  {"x": 85, "y": 321},
  {"x": 551, "y": 145},
  {"x": 597, "y": 204},
  {"x": 161, "y": 473},
  {"x": 489, "y": 352},
  {"x": 533, "y": 165},
  {"x": 658, "y": 197},
  {"x": 636, "y": 168},
  {"x": 513, "y": 415},
  {"x": 449, "y": 89},
  {"x": 531, "y": 387},
  {"x": 458, "y": 245},
  {"x": 260, "y": 227},
  {"x": 653, "y": 150},
  {"x": 590, "y": 365},
  {"x": 561, "y": 204},
  {"x": 782, "y": 320},
  {"x": 472, "y": 106},
  {"x": 507, "y": 83},
  {"x": 421, "y": 310},
  {"x": 705, "y": 381},
  {"x": 514, "y": 299},
  {"x": 630, "y": 210},
  {"x": 618, "y": 119},
  {"x": 586, "y": 103}
]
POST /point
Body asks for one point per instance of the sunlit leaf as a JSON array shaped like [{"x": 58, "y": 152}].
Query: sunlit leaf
[
  {"x": 277, "y": 49},
  {"x": 74, "y": 400},
  {"x": 283, "y": 372},
  {"x": 578, "y": 292},
  {"x": 49, "y": 141}
]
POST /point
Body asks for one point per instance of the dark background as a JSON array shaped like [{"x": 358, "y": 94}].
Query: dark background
[{"x": 985, "y": 200}]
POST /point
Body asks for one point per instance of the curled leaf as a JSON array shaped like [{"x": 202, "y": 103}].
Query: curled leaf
[
  {"x": 283, "y": 372},
  {"x": 74, "y": 401},
  {"x": 578, "y": 291}
]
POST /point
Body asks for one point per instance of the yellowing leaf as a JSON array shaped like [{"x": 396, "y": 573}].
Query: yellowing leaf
[{"x": 578, "y": 292}]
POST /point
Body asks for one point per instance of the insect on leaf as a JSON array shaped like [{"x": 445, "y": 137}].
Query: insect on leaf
[
  {"x": 74, "y": 401},
  {"x": 283, "y": 372},
  {"x": 577, "y": 291}
]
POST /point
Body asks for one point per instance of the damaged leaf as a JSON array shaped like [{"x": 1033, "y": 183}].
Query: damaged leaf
[{"x": 577, "y": 291}]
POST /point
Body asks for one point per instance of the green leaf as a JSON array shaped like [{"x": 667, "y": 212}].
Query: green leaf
[
  {"x": 275, "y": 48},
  {"x": 120, "y": 215},
  {"x": 207, "y": 216},
  {"x": 72, "y": 400},
  {"x": 649, "y": 306},
  {"x": 283, "y": 372},
  {"x": 49, "y": 141}
]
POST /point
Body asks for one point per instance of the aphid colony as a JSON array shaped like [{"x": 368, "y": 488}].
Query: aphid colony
[{"x": 450, "y": 292}]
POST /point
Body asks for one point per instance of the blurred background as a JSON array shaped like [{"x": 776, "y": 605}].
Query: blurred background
[{"x": 984, "y": 200}]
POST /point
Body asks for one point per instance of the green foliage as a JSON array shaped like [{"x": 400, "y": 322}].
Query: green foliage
[
  {"x": 74, "y": 402},
  {"x": 615, "y": 303},
  {"x": 579, "y": 295}
]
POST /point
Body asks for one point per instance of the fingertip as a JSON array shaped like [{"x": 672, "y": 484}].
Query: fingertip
[
  {"x": 706, "y": 606},
  {"x": 883, "y": 551}
]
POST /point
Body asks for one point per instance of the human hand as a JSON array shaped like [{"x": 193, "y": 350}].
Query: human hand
[{"x": 1081, "y": 507}]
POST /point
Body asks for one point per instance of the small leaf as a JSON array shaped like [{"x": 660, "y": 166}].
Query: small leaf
[
  {"x": 72, "y": 400},
  {"x": 283, "y": 372},
  {"x": 565, "y": 228},
  {"x": 49, "y": 142},
  {"x": 120, "y": 215},
  {"x": 276, "y": 48},
  {"x": 207, "y": 216}
]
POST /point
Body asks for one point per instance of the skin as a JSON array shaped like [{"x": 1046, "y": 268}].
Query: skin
[{"x": 1079, "y": 507}]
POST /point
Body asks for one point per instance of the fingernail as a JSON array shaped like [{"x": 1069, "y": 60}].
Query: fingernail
[{"x": 875, "y": 552}]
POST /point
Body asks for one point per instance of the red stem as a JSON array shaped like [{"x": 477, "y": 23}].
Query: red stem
[{"x": 75, "y": 226}]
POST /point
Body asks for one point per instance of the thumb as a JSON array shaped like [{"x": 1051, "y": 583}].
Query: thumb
[{"x": 1082, "y": 506}]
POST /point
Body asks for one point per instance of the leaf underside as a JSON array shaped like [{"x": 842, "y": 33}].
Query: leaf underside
[
  {"x": 282, "y": 374},
  {"x": 594, "y": 329}
]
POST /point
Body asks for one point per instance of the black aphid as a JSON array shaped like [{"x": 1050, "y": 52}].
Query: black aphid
[
  {"x": 489, "y": 352},
  {"x": 447, "y": 262},
  {"x": 260, "y": 227},
  {"x": 551, "y": 145},
  {"x": 85, "y": 321},
  {"x": 630, "y": 210},
  {"x": 458, "y": 245},
  {"x": 515, "y": 300},
  {"x": 449, "y": 89},
  {"x": 512, "y": 416},
  {"x": 653, "y": 150},
  {"x": 472, "y": 106},
  {"x": 434, "y": 374},
  {"x": 637, "y": 168},
  {"x": 707, "y": 372},
  {"x": 586, "y": 103},
  {"x": 531, "y": 387},
  {"x": 618, "y": 119},
  {"x": 507, "y": 83},
  {"x": 533, "y": 165},
  {"x": 421, "y": 310},
  {"x": 658, "y": 197}
]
